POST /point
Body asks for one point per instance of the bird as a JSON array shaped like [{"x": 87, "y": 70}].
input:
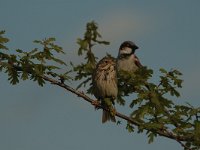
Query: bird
[
  {"x": 104, "y": 82},
  {"x": 127, "y": 60}
]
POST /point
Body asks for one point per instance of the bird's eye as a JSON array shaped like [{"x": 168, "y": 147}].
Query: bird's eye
[{"x": 106, "y": 61}]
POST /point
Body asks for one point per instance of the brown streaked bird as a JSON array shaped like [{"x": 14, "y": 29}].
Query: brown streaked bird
[
  {"x": 127, "y": 60},
  {"x": 105, "y": 86}
]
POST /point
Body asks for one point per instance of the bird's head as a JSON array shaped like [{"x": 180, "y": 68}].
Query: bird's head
[
  {"x": 106, "y": 63},
  {"x": 127, "y": 48}
]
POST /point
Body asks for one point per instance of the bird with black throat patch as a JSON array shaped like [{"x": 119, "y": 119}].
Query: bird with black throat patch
[{"x": 127, "y": 60}]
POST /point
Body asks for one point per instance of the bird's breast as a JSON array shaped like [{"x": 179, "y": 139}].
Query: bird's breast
[
  {"x": 127, "y": 64},
  {"x": 106, "y": 84}
]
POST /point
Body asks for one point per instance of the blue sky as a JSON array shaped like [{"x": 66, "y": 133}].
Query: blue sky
[{"x": 32, "y": 117}]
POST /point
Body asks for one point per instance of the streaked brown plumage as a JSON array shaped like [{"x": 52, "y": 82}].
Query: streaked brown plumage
[{"x": 105, "y": 85}]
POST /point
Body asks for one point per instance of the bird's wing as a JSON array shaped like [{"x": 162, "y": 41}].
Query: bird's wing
[{"x": 137, "y": 61}]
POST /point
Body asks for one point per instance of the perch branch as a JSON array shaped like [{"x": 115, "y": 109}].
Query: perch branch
[{"x": 162, "y": 132}]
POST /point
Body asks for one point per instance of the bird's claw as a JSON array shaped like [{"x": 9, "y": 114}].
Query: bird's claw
[
  {"x": 96, "y": 104},
  {"x": 113, "y": 111}
]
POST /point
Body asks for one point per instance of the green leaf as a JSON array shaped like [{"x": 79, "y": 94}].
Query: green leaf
[
  {"x": 151, "y": 137},
  {"x": 83, "y": 83},
  {"x": 155, "y": 98},
  {"x": 177, "y": 72},
  {"x": 3, "y": 40},
  {"x": 103, "y": 42},
  {"x": 135, "y": 102},
  {"x": 118, "y": 122},
  {"x": 59, "y": 61},
  {"x": 40, "y": 81},
  {"x": 13, "y": 75},
  {"x": 24, "y": 75},
  {"x": 140, "y": 113},
  {"x": 19, "y": 51},
  {"x": 120, "y": 100},
  {"x": 129, "y": 127},
  {"x": 39, "y": 69},
  {"x": 83, "y": 45},
  {"x": 163, "y": 70},
  {"x": 66, "y": 76},
  {"x": 197, "y": 128}
]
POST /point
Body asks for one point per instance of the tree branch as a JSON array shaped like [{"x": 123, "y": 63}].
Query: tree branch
[{"x": 162, "y": 132}]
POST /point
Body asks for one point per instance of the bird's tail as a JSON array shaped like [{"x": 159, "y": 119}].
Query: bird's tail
[{"x": 107, "y": 116}]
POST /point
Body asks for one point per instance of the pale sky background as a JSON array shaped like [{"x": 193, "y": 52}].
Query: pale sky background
[{"x": 49, "y": 118}]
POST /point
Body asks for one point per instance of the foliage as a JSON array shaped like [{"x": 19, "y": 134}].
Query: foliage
[
  {"x": 153, "y": 110},
  {"x": 91, "y": 38},
  {"x": 34, "y": 64}
]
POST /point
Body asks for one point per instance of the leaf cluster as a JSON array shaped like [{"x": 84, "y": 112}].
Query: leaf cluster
[
  {"x": 129, "y": 82},
  {"x": 34, "y": 64},
  {"x": 85, "y": 70},
  {"x": 155, "y": 111}
]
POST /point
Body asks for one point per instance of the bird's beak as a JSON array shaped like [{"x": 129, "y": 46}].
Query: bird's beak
[{"x": 135, "y": 47}]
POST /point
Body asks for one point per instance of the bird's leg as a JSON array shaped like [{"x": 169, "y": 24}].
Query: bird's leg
[{"x": 113, "y": 111}]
